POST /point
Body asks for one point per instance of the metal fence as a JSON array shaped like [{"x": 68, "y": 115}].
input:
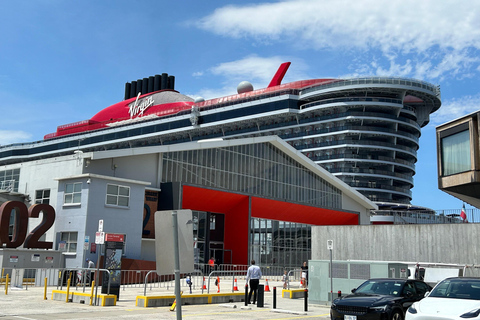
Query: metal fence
[
  {"x": 79, "y": 278},
  {"x": 473, "y": 215},
  {"x": 203, "y": 277},
  {"x": 430, "y": 217}
]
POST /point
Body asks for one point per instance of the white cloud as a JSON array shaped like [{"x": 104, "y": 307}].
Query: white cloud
[
  {"x": 252, "y": 68},
  {"x": 455, "y": 108},
  {"x": 444, "y": 34},
  {"x": 407, "y": 24},
  {"x": 13, "y": 136}
]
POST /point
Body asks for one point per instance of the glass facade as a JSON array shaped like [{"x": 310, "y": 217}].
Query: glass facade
[
  {"x": 257, "y": 169},
  {"x": 280, "y": 243},
  {"x": 208, "y": 233},
  {"x": 263, "y": 171}
]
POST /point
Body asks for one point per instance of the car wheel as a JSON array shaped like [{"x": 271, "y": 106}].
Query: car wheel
[{"x": 397, "y": 315}]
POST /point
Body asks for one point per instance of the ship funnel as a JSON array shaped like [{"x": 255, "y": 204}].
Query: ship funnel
[{"x": 151, "y": 84}]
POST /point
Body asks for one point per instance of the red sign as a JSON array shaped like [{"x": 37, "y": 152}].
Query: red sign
[{"x": 114, "y": 237}]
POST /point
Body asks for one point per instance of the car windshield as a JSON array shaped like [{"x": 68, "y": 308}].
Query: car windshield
[
  {"x": 383, "y": 287},
  {"x": 457, "y": 289}
]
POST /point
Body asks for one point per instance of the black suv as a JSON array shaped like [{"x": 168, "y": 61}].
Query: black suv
[{"x": 385, "y": 299}]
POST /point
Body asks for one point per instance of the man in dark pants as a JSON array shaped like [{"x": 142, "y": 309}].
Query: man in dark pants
[{"x": 254, "y": 274}]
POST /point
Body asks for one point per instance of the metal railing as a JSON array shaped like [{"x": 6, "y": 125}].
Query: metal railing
[
  {"x": 430, "y": 216},
  {"x": 81, "y": 278},
  {"x": 297, "y": 274}
]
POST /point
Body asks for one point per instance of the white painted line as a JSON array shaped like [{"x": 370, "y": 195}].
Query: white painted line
[{"x": 288, "y": 311}]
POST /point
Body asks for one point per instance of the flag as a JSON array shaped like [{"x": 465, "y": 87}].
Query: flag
[{"x": 463, "y": 215}]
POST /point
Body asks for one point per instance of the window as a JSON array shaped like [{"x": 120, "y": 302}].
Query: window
[
  {"x": 409, "y": 287},
  {"x": 422, "y": 287},
  {"x": 42, "y": 196},
  {"x": 456, "y": 153},
  {"x": 73, "y": 192},
  {"x": 118, "y": 195},
  {"x": 69, "y": 240},
  {"x": 9, "y": 180}
]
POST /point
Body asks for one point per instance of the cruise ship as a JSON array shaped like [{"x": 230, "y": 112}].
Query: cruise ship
[{"x": 365, "y": 131}]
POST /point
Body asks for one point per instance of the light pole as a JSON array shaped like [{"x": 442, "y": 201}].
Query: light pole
[
  {"x": 178, "y": 296},
  {"x": 330, "y": 248}
]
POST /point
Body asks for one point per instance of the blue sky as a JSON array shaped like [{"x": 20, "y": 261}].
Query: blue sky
[{"x": 63, "y": 61}]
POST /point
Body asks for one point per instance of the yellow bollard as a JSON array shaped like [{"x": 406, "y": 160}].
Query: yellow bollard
[
  {"x": 6, "y": 284},
  {"x": 174, "y": 304},
  {"x": 91, "y": 293},
  {"x": 68, "y": 290},
  {"x": 45, "y": 290}
]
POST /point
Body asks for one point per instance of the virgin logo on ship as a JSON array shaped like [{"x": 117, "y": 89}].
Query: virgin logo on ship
[{"x": 137, "y": 109}]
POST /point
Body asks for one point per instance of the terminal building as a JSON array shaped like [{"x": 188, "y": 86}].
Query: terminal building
[
  {"x": 251, "y": 198},
  {"x": 257, "y": 168}
]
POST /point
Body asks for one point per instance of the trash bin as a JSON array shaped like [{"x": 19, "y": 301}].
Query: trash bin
[{"x": 260, "y": 299}]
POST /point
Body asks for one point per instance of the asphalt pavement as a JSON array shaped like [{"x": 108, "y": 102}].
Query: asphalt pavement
[{"x": 29, "y": 304}]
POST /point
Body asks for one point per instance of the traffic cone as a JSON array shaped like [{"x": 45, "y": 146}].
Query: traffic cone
[
  {"x": 267, "y": 287},
  {"x": 204, "y": 285},
  {"x": 218, "y": 283},
  {"x": 235, "y": 288}
]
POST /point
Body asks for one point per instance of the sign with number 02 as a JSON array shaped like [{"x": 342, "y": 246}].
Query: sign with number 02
[{"x": 19, "y": 237}]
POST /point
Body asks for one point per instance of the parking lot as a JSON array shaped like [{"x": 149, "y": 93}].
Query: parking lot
[{"x": 28, "y": 303}]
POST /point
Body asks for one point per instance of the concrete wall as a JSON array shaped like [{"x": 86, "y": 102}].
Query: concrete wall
[{"x": 435, "y": 243}]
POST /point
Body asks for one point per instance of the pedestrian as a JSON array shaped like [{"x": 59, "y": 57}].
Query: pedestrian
[
  {"x": 254, "y": 274},
  {"x": 189, "y": 282},
  {"x": 285, "y": 279},
  {"x": 211, "y": 264},
  {"x": 90, "y": 273},
  {"x": 91, "y": 264},
  {"x": 304, "y": 274}
]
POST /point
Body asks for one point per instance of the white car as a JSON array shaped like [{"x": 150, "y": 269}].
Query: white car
[{"x": 453, "y": 298}]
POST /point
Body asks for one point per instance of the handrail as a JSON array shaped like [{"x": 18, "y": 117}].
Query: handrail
[
  {"x": 375, "y": 80},
  {"x": 288, "y": 276},
  {"x": 146, "y": 277},
  {"x": 222, "y": 272}
]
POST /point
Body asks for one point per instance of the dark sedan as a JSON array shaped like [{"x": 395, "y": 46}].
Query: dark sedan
[{"x": 382, "y": 299}]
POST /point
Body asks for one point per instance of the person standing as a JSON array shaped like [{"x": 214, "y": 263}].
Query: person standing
[
  {"x": 90, "y": 273},
  {"x": 254, "y": 274},
  {"x": 211, "y": 264},
  {"x": 304, "y": 274},
  {"x": 285, "y": 279}
]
